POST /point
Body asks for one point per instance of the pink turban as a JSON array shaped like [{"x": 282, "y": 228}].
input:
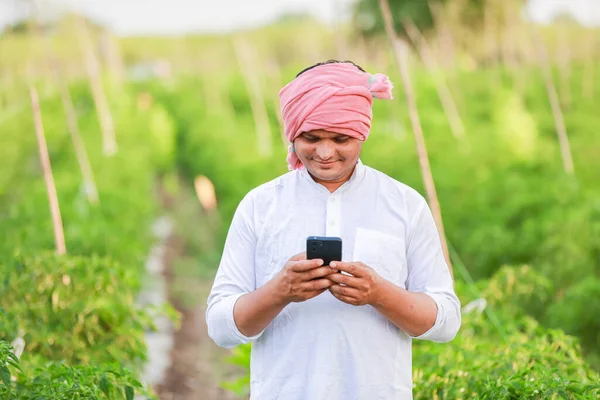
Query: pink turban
[{"x": 335, "y": 97}]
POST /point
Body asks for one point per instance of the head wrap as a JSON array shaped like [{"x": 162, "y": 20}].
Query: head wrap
[{"x": 336, "y": 97}]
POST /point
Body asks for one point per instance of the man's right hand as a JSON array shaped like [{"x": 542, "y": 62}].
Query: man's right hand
[{"x": 301, "y": 279}]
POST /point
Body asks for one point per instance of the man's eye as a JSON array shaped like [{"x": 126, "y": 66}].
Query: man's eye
[
  {"x": 341, "y": 140},
  {"x": 311, "y": 139}
]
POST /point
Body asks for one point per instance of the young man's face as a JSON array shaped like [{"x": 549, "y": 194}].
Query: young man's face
[{"x": 328, "y": 156}]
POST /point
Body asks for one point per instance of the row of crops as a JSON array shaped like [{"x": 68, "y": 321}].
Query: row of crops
[
  {"x": 73, "y": 319},
  {"x": 524, "y": 235}
]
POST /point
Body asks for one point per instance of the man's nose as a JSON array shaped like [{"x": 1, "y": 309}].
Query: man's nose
[{"x": 325, "y": 150}]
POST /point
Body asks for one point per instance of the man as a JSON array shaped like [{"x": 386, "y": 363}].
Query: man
[{"x": 342, "y": 331}]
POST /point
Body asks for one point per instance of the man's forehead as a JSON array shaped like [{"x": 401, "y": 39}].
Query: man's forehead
[{"x": 321, "y": 133}]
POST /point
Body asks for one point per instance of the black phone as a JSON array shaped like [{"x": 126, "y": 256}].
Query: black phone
[{"x": 327, "y": 248}]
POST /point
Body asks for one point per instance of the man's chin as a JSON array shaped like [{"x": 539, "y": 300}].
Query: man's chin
[{"x": 325, "y": 174}]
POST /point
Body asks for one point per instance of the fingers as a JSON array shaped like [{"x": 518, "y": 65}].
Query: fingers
[
  {"x": 319, "y": 272},
  {"x": 357, "y": 269},
  {"x": 344, "y": 291},
  {"x": 316, "y": 285},
  {"x": 347, "y": 300},
  {"x": 349, "y": 281},
  {"x": 336, "y": 291},
  {"x": 306, "y": 265}
]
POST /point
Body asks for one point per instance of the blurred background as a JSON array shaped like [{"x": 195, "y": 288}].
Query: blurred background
[{"x": 131, "y": 130}]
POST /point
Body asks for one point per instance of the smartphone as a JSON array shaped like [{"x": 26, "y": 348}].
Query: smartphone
[{"x": 327, "y": 248}]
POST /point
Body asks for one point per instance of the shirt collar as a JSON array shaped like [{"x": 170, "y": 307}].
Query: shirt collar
[{"x": 357, "y": 175}]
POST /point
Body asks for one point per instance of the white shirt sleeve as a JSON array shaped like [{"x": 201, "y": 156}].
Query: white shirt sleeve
[
  {"x": 235, "y": 277},
  {"x": 428, "y": 273}
]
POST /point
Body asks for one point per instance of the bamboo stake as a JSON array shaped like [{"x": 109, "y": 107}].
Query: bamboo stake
[
  {"x": 109, "y": 142},
  {"x": 397, "y": 128},
  {"x": 513, "y": 31},
  {"x": 491, "y": 46},
  {"x": 257, "y": 102},
  {"x": 215, "y": 93},
  {"x": 456, "y": 124},
  {"x": 401, "y": 51},
  {"x": 4, "y": 91},
  {"x": 3, "y": 97},
  {"x": 85, "y": 167},
  {"x": 448, "y": 45},
  {"x": 212, "y": 95},
  {"x": 17, "y": 108},
  {"x": 588, "y": 74},
  {"x": 561, "y": 129},
  {"x": 275, "y": 74},
  {"x": 488, "y": 28},
  {"x": 446, "y": 41},
  {"x": 508, "y": 41},
  {"x": 564, "y": 65},
  {"x": 113, "y": 59},
  {"x": 59, "y": 237},
  {"x": 361, "y": 51}
]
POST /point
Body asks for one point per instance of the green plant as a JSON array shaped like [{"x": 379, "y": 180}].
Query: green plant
[{"x": 59, "y": 381}]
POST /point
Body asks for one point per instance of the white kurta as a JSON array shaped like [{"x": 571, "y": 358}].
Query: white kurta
[{"x": 323, "y": 348}]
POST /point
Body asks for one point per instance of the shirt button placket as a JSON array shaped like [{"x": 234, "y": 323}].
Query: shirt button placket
[{"x": 333, "y": 216}]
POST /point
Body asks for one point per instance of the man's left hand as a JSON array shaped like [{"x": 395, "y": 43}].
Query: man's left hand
[{"x": 361, "y": 288}]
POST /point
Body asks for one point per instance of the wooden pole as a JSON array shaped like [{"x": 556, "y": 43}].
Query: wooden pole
[
  {"x": 257, "y": 102},
  {"x": 59, "y": 237},
  {"x": 109, "y": 142},
  {"x": 114, "y": 59},
  {"x": 561, "y": 129},
  {"x": 276, "y": 80},
  {"x": 216, "y": 96},
  {"x": 446, "y": 41},
  {"x": 512, "y": 45},
  {"x": 401, "y": 52},
  {"x": 456, "y": 124},
  {"x": 3, "y": 95},
  {"x": 508, "y": 41},
  {"x": 491, "y": 42},
  {"x": 5, "y": 89},
  {"x": 211, "y": 94},
  {"x": 85, "y": 167},
  {"x": 588, "y": 73},
  {"x": 564, "y": 64}
]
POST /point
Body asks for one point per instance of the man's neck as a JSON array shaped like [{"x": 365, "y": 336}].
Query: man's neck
[{"x": 334, "y": 185}]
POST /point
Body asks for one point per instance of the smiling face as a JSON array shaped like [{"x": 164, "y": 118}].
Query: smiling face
[{"x": 329, "y": 157}]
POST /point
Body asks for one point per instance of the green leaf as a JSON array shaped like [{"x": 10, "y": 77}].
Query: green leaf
[
  {"x": 129, "y": 392},
  {"x": 13, "y": 357},
  {"x": 136, "y": 383},
  {"x": 5, "y": 375},
  {"x": 15, "y": 365},
  {"x": 105, "y": 385}
]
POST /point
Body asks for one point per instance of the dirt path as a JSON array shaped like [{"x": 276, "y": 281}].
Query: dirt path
[{"x": 197, "y": 364}]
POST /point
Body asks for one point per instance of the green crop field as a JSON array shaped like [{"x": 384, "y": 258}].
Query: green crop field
[{"x": 523, "y": 233}]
